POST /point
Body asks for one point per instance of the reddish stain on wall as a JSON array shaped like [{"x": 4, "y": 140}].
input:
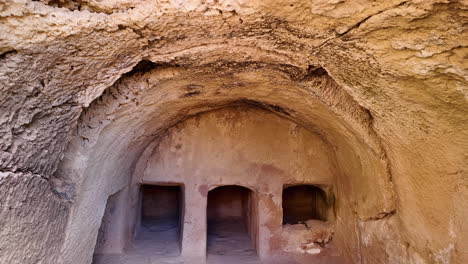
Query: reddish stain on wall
[
  {"x": 203, "y": 190},
  {"x": 267, "y": 169}
]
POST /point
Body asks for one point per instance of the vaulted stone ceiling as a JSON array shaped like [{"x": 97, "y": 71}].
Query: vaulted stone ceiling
[{"x": 87, "y": 85}]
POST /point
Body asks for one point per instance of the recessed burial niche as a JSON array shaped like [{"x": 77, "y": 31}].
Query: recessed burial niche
[
  {"x": 304, "y": 202},
  {"x": 232, "y": 221},
  {"x": 161, "y": 216}
]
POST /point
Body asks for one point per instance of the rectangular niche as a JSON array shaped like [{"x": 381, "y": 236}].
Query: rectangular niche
[
  {"x": 161, "y": 217},
  {"x": 304, "y": 202},
  {"x": 232, "y": 222}
]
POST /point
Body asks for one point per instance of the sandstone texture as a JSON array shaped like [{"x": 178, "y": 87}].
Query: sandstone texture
[{"x": 367, "y": 99}]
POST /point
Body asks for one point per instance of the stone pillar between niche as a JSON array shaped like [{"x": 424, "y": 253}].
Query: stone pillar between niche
[{"x": 194, "y": 222}]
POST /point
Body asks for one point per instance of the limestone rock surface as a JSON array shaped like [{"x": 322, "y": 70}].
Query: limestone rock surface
[{"x": 87, "y": 85}]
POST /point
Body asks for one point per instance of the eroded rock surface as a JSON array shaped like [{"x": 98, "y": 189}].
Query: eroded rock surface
[{"x": 87, "y": 85}]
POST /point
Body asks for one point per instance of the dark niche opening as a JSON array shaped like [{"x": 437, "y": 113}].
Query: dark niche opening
[
  {"x": 161, "y": 216},
  {"x": 304, "y": 202},
  {"x": 232, "y": 221}
]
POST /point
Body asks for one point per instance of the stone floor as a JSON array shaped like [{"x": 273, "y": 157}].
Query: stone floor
[
  {"x": 228, "y": 242},
  {"x": 155, "y": 243}
]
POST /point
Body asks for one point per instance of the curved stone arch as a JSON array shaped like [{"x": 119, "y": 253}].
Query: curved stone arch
[
  {"x": 167, "y": 95},
  {"x": 250, "y": 188}
]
